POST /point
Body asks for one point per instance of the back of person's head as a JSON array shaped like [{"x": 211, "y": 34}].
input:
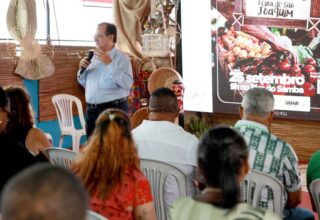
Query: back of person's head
[
  {"x": 163, "y": 100},
  {"x": 258, "y": 102},
  {"x": 111, "y": 29},
  {"x": 108, "y": 154},
  {"x": 222, "y": 159},
  {"x": 4, "y": 106},
  {"x": 44, "y": 192},
  {"x": 21, "y": 110}
]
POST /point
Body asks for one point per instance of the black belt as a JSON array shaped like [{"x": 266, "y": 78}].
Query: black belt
[{"x": 113, "y": 102}]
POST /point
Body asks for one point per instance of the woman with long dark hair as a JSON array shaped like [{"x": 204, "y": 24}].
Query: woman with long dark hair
[
  {"x": 13, "y": 157},
  {"x": 21, "y": 126},
  {"x": 223, "y": 162}
]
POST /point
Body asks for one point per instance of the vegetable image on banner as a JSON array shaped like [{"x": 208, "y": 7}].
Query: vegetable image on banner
[{"x": 251, "y": 51}]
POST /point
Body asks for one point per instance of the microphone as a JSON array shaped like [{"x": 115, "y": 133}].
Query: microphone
[{"x": 89, "y": 57}]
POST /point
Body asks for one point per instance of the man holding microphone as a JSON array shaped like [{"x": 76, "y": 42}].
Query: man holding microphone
[{"x": 106, "y": 75}]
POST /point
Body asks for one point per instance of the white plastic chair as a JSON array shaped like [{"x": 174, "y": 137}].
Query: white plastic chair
[
  {"x": 91, "y": 215},
  {"x": 63, "y": 105},
  {"x": 314, "y": 188},
  {"x": 157, "y": 173},
  {"x": 255, "y": 183},
  {"x": 61, "y": 157}
]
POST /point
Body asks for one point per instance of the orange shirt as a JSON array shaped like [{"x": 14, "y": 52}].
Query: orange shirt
[{"x": 135, "y": 190}]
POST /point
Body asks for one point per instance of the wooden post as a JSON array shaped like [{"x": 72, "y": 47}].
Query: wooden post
[
  {"x": 238, "y": 9},
  {"x": 315, "y": 12}
]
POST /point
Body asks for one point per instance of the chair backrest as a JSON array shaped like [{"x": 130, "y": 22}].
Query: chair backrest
[
  {"x": 63, "y": 106},
  {"x": 91, "y": 215},
  {"x": 157, "y": 173},
  {"x": 49, "y": 136},
  {"x": 61, "y": 157},
  {"x": 255, "y": 183},
  {"x": 314, "y": 188}
]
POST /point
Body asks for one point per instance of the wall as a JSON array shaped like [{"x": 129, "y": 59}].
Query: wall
[
  {"x": 66, "y": 60},
  {"x": 50, "y": 126}
]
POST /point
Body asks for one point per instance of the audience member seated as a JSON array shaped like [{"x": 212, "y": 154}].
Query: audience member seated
[
  {"x": 110, "y": 170},
  {"x": 44, "y": 192},
  {"x": 159, "y": 138},
  {"x": 21, "y": 124},
  {"x": 223, "y": 162},
  {"x": 270, "y": 154},
  {"x": 13, "y": 157},
  {"x": 313, "y": 172}
]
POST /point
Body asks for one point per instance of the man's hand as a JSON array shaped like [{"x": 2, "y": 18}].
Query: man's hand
[
  {"x": 103, "y": 56},
  {"x": 294, "y": 199},
  {"x": 84, "y": 63},
  {"x": 283, "y": 43},
  {"x": 278, "y": 43}
]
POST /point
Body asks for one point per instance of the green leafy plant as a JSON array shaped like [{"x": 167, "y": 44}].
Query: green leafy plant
[{"x": 198, "y": 126}]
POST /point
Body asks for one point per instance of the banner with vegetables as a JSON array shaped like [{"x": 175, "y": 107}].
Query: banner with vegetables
[{"x": 284, "y": 61}]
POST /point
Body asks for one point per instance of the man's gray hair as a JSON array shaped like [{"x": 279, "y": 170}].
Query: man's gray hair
[{"x": 258, "y": 102}]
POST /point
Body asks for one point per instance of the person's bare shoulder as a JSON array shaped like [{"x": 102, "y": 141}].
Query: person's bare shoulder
[{"x": 37, "y": 137}]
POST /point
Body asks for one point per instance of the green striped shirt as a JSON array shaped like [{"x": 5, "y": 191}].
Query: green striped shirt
[{"x": 270, "y": 154}]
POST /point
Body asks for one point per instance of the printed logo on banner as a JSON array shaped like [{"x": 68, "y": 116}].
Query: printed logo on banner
[
  {"x": 285, "y": 9},
  {"x": 292, "y": 103}
]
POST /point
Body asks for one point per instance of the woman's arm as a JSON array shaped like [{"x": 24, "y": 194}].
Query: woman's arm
[
  {"x": 145, "y": 211},
  {"x": 37, "y": 140}
]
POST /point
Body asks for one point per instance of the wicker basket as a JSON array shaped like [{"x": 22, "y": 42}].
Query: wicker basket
[
  {"x": 155, "y": 45},
  {"x": 163, "y": 77}
]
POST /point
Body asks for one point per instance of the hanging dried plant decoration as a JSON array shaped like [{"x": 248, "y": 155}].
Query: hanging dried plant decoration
[{"x": 22, "y": 26}]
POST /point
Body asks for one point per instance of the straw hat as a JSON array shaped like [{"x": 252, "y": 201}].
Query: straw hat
[
  {"x": 163, "y": 77},
  {"x": 22, "y": 19}
]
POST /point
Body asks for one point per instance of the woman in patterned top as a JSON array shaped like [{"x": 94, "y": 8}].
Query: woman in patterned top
[
  {"x": 110, "y": 170},
  {"x": 223, "y": 162}
]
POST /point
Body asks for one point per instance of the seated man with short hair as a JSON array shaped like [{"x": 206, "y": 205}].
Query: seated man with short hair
[
  {"x": 159, "y": 138},
  {"x": 270, "y": 154},
  {"x": 43, "y": 191}
]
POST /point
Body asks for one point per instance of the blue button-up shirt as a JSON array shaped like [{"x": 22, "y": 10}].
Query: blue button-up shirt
[{"x": 107, "y": 82}]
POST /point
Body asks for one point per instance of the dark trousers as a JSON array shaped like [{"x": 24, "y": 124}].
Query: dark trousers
[
  {"x": 297, "y": 213},
  {"x": 93, "y": 111}
]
